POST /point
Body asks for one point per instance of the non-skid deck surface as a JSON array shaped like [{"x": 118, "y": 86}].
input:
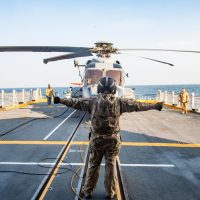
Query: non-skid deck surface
[{"x": 157, "y": 163}]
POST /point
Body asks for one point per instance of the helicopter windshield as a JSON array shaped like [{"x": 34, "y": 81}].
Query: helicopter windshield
[
  {"x": 93, "y": 76},
  {"x": 116, "y": 75}
]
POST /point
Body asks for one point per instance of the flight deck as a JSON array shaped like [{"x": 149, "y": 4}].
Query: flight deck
[{"x": 43, "y": 154}]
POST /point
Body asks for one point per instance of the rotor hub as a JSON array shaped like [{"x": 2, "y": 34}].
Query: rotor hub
[{"x": 103, "y": 49}]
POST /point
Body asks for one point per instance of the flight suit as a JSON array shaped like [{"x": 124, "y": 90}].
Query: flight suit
[
  {"x": 49, "y": 94},
  {"x": 184, "y": 98},
  {"x": 105, "y": 110}
]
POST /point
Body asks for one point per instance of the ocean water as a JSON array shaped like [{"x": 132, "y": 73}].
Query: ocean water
[
  {"x": 151, "y": 90},
  {"x": 141, "y": 90}
]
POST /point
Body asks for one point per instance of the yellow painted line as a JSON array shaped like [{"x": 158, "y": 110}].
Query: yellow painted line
[
  {"x": 80, "y": 142},
  {"x": 152, "y": 144},
  {"x": 178, "y": 108},
  {"x": 174, "y": 107},
  {"x": 136, "y": 144},
  {"x": 147, "y": 101},
  {"x": 118, "y": 192},
  {"x": 54, "y": 174},
  {"x": 23, "y": 105}
]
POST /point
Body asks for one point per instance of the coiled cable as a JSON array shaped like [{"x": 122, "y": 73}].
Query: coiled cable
[{"x": 22, "y": 124}]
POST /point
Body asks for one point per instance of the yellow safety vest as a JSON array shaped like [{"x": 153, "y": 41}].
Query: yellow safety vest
[
  {"x": 49, "y": 92},
  {"x": 184, "y": 97}
]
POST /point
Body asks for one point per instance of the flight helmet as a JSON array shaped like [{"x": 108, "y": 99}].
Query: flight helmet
[{"x": 106, "y": 85}]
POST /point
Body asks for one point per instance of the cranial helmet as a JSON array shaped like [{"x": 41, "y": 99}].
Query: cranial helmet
[{"x": 106, "y": 85}]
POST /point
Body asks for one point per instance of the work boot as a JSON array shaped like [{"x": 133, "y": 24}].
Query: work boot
[
  {"x": 110, "y": 197},
  {"x": 87, "y": 196}
]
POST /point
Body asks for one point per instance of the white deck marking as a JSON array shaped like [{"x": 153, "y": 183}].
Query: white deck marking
[
  {"x": 79, "y": 164},
  {"x": 147, "y": 165},
  {"x": 45, "y": 138},
  {"x": 26, "y": 163},
  {"x": 75, "y": 151}
]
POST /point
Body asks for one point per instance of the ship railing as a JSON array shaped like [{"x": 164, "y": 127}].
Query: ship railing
[
  {"x": 145, "y": 98},
  {"x": 19, "y": 97},
  {"x": 171, "y": 98}
]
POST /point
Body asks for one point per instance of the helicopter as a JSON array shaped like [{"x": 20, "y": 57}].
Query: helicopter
[{"x": 95, "y": 68}]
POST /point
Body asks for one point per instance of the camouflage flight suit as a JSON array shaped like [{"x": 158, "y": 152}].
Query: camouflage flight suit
[{"x": 105, "y": 110}]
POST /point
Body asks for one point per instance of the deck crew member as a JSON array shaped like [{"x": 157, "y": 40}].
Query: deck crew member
[
  {"x": 105, "y": 110},
  {"x": 49, "y": 94},
  {"x": 183, "y": 99}
]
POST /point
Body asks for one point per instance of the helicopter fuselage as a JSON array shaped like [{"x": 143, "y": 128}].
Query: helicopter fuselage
[{"x": 98, "y": 68}]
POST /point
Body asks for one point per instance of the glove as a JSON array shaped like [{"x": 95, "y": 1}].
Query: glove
[
  {"x": 56, "y": 100},
  {"x": 159, "y": 106}
]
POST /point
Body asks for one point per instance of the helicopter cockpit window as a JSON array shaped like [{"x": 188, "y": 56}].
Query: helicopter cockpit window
[
  {"x": 116, "y": 75},
  {"x": 93, "y": 76}
]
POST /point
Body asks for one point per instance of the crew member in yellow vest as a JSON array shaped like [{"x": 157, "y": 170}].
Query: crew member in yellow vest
[
  {"x": 49, "y": 94},
  {"x": 183, "y": 99}
]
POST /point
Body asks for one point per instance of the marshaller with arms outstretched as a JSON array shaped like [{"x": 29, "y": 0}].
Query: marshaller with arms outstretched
[{"x": 105, "y": 110}]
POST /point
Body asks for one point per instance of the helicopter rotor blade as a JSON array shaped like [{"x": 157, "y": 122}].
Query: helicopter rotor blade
[
  {"x": 42, "y": 49},
  {"x": 163, "y": 62},
  {"x": 68, "y": 56},
  {"x": 152, "y": 59},
  {"x": 172, "y": 50}
]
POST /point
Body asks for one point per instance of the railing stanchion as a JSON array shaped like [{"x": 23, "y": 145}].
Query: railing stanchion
[
  {"x": 40, "y": 93},
  {"x": 31, "y": 95},
  {"x": 173, "y": 100},
  {"x": 159, "y": 95},
  {"x": 13, "y": 97},
  {"x": 193, "y": 100},
  {"x": 2, "y": 98},
  {"x": 23, "y": 95},
  {"x": 165, "y": 96}
]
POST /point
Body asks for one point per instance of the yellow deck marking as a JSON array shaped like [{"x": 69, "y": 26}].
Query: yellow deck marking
[
  {"x": 22, "y": 105},
  {"x": 152, "y": 144},
  {"x": 54, "y": 174},
  {"x": 147, "y": 101},
  {"x": 177, "y": 108},
  {"x": 136, "y": 144},
  {"x": 118, "y": 193}
]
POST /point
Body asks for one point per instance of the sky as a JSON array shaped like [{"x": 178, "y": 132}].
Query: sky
[{"x": 171, "y": 24}]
